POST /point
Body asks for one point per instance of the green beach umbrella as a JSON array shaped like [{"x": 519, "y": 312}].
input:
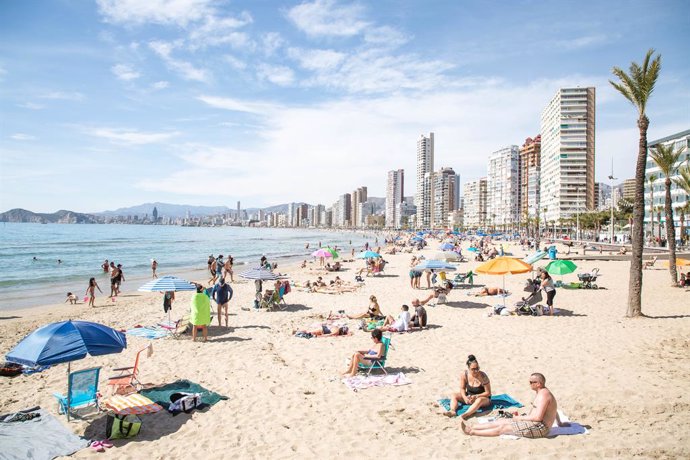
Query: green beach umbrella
[
  {"x": 333, "y": 252},
  {"x": 560, "y": 267}
]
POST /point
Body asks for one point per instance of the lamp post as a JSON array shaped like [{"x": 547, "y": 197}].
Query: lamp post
[{"x": 613, "y": 196}]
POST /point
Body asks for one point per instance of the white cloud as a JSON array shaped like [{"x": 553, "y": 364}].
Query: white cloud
[
  {"x": 160, "y": 85},
  {"x": 583, "y": 41},
  {"x": 137, "y": 12},
  {"x": 61, "y": 95},
  {"x": 220, "y": 31},
  {"x": 325, "y": 18},
  {"x": 185, "y": 69},
  {"x": 125, "y": 72},
  {"x": 31, "y": 106},
  {"x": 133, "y": 137},
  {"x": 316, "y": 59},
  {"x": 236, "y": 105},
  {"x": 22, "y": 137},
  {"x": 385, "y": 36},
  {"x": 278, "y": 75},
  {"x": 234, "y": 62},
  {"x": 271, "y": 42}
]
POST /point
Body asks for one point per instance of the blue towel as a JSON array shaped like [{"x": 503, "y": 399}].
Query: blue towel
[
  {"x": 147, "y": 333},
  {"x": 497, "y": 402}
]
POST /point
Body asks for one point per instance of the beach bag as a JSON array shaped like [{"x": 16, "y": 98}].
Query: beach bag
[
  {"x": 122, "y": 426},
  {"x": 184, "y": 402}
]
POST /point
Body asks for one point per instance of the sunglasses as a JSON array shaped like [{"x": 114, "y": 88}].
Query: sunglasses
[{"x": 474, "y": 368}]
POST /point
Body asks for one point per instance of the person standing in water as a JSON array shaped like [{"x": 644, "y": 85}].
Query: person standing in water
[{"x": 154, "y": 266}]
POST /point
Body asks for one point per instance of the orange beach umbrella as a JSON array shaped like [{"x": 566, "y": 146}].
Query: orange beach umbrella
[{"x": 504, "y": 266}]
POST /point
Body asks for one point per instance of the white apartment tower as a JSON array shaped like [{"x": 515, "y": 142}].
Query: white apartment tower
[
  {"x": 503, "y": 187},
  {"x": 567, "y": 153},
  {"x": 425, "y": 167},
  {"x": 444, "y": 197},
  {"x": 395, "y": 194},
  {"x": 474, "y": 204}
]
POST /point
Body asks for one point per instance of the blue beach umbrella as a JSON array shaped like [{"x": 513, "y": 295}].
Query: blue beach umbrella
[
  {"x": 368, "y": 255},
  {"x": 260, "y": 274},
  {"x": 65, "y": 342},
  {"x": 473, "y": 249},
  {"x": 435, "y": 265},
  {"x": 447, "y": 246},
  {"x": 167, "y": 283}
]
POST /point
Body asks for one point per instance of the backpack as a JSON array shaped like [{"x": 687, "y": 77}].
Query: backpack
[{"x": 184, "y": 402}]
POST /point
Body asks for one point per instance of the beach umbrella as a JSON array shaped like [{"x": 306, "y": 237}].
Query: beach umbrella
[
  {"x": 447, "y": 246},
  {"x": 333, "y": 252},
  {"x": 65, "y": 342},
  {"x": 260, "y": 274},
  {"x": 435, "y": 266},
  {"x": 167, "y": 283},
  {"x": 560, "y": 267},
  {"x": 323, "y": 252},
  {"x": 473, "y": 249},
  {"x": 445, "y": 256},
  {"x": 368, "y": 255},
  {"x": 504, "y": 266}
]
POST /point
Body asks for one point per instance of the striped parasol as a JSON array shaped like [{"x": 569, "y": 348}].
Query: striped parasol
[
  {"x": 167, "y": 283},
  {"x": 260, "y": 274}
]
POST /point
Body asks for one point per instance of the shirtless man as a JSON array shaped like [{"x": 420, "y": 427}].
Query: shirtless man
[
  {"x": 534, "y": 425},
  {"x": 491, "y": 291}
]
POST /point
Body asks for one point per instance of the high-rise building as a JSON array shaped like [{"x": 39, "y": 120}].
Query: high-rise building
[
  {"x": 358, "y": 197},
  {"x": 238, "y": 211},
  {"x": 444, "y": 201},
  {"x": 290, "y": 218},
  {"x": 474, "y": 204},
  {"x": 458, "y": 194},
  {"x": 395, "y": 194},
  {"x": 425, "y": 167},
  {"x": 567, "y": 153},
  {"x": 530, "y": 163},
  {"x": 629, "y": 190},
  {"x": 679, "y": 141},
  {"x": 503, "y": 187},
  {"x": 344, "y": 210}
]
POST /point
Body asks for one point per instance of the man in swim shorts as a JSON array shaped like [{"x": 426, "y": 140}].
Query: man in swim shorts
[{"x": 534, "y": 425}]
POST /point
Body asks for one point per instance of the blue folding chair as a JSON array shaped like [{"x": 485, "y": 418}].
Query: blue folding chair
[
  {"x": 82, "y": 390},
  {"x": 378, "y": 363}
]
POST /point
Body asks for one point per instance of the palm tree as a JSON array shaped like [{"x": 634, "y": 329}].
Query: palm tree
[
  {"x": 637, "y": 86},
  {"x": 666, "y": 158},
  {"x": 651, "y": 179},
  {"x": 683, "y": 181}
]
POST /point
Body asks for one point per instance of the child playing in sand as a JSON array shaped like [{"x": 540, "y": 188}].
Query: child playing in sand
[{"x": 71, "y": 298}]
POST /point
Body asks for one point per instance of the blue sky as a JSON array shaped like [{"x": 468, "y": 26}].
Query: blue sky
[{"x": 118, "y": 102}]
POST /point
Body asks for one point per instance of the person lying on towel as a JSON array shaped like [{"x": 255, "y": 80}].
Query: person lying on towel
[{"x": 485, "y": 291}]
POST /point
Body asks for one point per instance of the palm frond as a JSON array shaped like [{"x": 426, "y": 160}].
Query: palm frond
[
  {"x": 666, "y": 158},
  {"x": 638, "y": 84}
]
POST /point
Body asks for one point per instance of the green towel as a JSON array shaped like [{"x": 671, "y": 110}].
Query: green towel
[
  {"x": 161, "y": 395},
  {"x": 201, "y": 310}
]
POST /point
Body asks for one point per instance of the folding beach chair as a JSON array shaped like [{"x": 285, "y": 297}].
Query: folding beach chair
[
  {"x": 82, "y": 391},
  {"x": 127, "y": 381},
  {"x": 281, "y": 297},
  {"x": 381, "y": 362}
]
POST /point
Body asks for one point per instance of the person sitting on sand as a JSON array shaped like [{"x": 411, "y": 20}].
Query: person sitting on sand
[
  {"x": 490, "y": 291},
  {"x": 534, "y": 425},
  {"x": 419, "y": 318},
  {"x": 326, "y": 330},
  {"x": 475, "y": 390},
  {"x": 401, "y": 324},
  {"x": 373, "y": 312},
  {"x": 304, "y": 264},
  {"x": 319, "y": 282},
  {"x": 363, "y": 356}
]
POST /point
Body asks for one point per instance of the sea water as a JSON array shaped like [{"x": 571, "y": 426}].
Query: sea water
[{"x": 178, "y": 250}]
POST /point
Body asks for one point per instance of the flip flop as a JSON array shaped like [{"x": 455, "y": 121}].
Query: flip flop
[
  {"x": 97, "y": 446},
  {"x": 106, "y": 443}
]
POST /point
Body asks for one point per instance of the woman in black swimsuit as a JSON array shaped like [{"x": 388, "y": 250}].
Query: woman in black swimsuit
[{"x": 475, "y": 390}]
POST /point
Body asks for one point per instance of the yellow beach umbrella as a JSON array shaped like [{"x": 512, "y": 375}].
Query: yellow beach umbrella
[{"x": 504, "y": 266}]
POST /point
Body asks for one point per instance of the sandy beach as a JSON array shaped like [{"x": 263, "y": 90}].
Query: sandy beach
[{"x": 626, "y": 380}]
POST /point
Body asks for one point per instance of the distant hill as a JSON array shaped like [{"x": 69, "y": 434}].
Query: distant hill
[
  {"x": 59, "y": 217},
  {"x": 167, "y": 210}
]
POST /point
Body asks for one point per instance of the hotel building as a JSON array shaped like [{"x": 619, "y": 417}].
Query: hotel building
[
  {"x": 503, "y": 187},
  {"x": 425, "y": 167},
  {"x": 474, "y": 203},
  {"x": 529, "y": 167},
  {"x": 395, "y": 194}
]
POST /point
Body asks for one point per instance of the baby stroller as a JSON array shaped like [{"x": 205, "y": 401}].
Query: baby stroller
[
  {"x": 533, "y": 286},
  {"x": 588, "y": 279}
]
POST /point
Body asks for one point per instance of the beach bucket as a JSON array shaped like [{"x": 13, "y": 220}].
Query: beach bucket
[{"x": 86, "y": 299}]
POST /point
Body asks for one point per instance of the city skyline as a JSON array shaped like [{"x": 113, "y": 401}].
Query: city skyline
[{"x": 114, "y": 103}]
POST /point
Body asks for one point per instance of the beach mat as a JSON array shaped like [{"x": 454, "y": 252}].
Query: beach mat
[
  {"x": 361, "y": 382},
  {"x": 502, "y": 401},
  {"x": 147, "y": 332},
  {"x": 161, "y": 395},
  {"x": 40, "y": 438}
]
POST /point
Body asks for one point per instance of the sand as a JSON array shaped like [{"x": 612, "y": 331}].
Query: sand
[{"x": 625, "y": 379}]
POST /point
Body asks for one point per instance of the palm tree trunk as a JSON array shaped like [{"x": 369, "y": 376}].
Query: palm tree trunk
[
  {"x": 651, "y": 207},
  {"x": 637, "y": 231},
  {"x": 670, "y": 234}
]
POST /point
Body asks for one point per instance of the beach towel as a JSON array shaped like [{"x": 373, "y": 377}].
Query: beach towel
[
  {"x": 41, "y": 437},
  {"x": 134, "y": 404},
  {"x": 573, "y": 429},
  {"x": 147, "y": 332},
  {"x": 201, "y": 310},
  {"x": 361, "y": 382},
  {"x": 161, "y": 395},
  {"x": 501, "y": 401}
]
